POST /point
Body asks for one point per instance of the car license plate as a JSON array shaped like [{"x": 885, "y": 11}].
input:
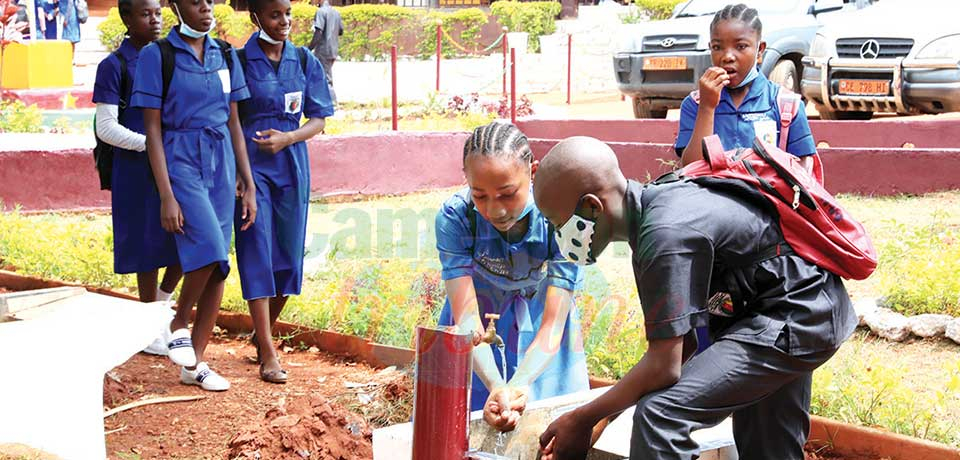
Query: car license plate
[
  {"x": 865, "y": 87},
  {"x": 665, "y": 63}
]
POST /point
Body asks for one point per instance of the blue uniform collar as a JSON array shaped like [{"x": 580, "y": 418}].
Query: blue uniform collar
[
  {"x": 177, "y": 41},
  {"x": 127, "y": 50},
  {"x": 758, "y": 88},
  {"x": 254, "y": 51}
]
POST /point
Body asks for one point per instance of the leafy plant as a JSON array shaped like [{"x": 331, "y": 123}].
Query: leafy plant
[
  {"x": 17, "y": 117},
  {"x": 463, "y": 26},
  {"x": 534, "y": 18},
  {"x": 658, "y": 9},
  {"x": 231, "y": 23},
  {"x": 301, "y": 30},
  {"x": 370, "y": 30},
  {"x": 918, "y": 270}
]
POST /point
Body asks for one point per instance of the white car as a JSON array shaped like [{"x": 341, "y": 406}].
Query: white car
[{"x": 898, "y": 56}]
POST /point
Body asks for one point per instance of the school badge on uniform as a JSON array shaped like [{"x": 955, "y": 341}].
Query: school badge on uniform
[
  {"x": 293, "y": 102},
  {"x": 766, "y": 130},
  {"x": 721, "y": 304}
]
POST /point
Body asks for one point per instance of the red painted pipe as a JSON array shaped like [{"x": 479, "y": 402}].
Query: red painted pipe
[
  {"x": 440, "y": 400},
  {"x": 513, "y": 85},
  {"x": 504, "y": 62},
  {"x": 393, "y": 84},
  {"x": 439, "y": 45},
  {"x": 569, "y": 61}
]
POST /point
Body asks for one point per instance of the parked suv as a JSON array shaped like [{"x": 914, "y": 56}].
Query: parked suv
[
  {"x": 662, "y": 61},
  {"x": 899, "y": 56}
]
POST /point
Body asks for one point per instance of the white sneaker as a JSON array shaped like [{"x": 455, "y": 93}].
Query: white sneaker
[
  {"x": 181, "y": 348},
  {"x": 158, "y": 347},
  {"x": 204, "y": 377}
]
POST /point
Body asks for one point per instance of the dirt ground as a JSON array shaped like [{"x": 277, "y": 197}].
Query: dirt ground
[{"x": 321, "y": 413}]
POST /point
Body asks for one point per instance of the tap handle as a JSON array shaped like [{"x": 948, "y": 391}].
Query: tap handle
[{"x": 492, "y": 316}]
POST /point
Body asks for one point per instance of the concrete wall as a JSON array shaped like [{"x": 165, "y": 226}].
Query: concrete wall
[
  {"x": 63, "y": 177},
  {"x": 931, "y": 134}
]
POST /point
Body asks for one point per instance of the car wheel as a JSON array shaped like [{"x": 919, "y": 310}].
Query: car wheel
[
  {"x": 643, "y": 110},
  {"x": 827, "y": 114},
  {"x": 785, "y": 74}
]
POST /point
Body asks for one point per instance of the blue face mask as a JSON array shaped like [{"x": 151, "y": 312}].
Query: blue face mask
[
  {"x": 750, "y": 77},
  {"x": 189, "y": 31},
  {"x": 263, "y": 35}
]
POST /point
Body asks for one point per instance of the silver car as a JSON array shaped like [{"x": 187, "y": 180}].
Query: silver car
[
  {"x": 658, "y": 63},
  {"x": 897, "y": 56}
]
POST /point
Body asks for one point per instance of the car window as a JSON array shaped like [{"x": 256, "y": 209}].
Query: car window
[{"x": 709, "y": 7}]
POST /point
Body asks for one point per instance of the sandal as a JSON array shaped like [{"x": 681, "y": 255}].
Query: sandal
[{"x": 276, "y": 376}]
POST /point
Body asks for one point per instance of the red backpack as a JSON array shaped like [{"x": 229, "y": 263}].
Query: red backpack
[{"x": 812, "y": 222}]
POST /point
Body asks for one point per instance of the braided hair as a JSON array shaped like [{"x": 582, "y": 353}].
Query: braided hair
[
  {"x": 739, "y": 12},
  {"x": 500, "y": 140}
]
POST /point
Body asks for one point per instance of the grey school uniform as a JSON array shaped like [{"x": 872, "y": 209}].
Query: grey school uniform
[{"x": 794, "y": 317}]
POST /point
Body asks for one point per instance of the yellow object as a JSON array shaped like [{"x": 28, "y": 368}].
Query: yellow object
[
  {"x": 38, "y": 64},
  {"x": 69, "y": 101}
]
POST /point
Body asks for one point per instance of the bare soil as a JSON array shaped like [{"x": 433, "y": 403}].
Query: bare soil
[{"x": 324, "y": 411}]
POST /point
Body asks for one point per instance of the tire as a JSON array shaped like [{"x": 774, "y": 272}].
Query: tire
[
  {"x": 643, "y": 110},
  {"x": 827, "y": 114},
  {"x": 785, "y": 74}
]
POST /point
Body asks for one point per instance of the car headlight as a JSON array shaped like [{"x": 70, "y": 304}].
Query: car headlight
[
  {"x": 942, "y": 48},
  {"x": 821, "y": 47}
]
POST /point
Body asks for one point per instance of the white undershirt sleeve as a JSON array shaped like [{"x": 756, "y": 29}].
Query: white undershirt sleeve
[{"x": 112, "y": 132}]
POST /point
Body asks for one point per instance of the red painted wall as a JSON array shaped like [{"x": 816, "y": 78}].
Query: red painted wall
[
  {"x": 396, "y": 163},
  {"x": 52, "y": 99},
  {"x": 928, "y": 134},
  {"x": 870, "y": 171}
]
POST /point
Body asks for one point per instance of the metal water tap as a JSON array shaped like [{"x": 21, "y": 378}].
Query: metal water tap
[{"x": 490, "y": 335}]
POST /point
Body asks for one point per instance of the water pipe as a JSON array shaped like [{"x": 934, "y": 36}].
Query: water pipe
[{"x": 441, "y": 399}]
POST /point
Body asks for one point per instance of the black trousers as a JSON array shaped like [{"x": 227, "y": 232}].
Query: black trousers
[{"x": 766, "y": 391}]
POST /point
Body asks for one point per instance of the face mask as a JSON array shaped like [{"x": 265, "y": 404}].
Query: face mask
[
  {"x": 264, "y": 35},
  {"x": 189, "y": 31},
  {"x": 574, "y": 239},
  {"x": 750, "y": 76}
]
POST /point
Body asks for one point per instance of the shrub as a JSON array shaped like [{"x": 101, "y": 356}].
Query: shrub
[
  {"x": 370, "y": 30},
  {"x": 231, "y": 23},
  {"x": 463, "y": 26},
  {"x": 17, "y": 117},
  {"x": 658, "y": 9},
  {"x": 301, "y": 31},
  {"x": 534, "y": 18},
  {"x": 919, "y": 269}
]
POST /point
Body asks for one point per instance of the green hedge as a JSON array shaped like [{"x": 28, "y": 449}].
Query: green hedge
[
  {"x": 230, "y": 23},
  {"x": 534, "y": 18},
  {"x": 658, "y": 9},
  {"x": 370, "y": 30},
  {"x": 463, "y": 25}
]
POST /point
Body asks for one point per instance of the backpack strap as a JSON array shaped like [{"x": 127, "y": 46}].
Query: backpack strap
[
  {"x": 789, "y": 104},
  {"x": 124, "y": 83},
  {"x": 167, "y": 63},
  {"x": 302, "y": 55},
  {"x": 242, "y": 57},
  {"x": 714, "y": 154},
  {"x": 226, "y": 49}
]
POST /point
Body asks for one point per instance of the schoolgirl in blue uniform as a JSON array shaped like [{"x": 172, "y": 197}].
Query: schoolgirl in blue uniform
[
  {"x": 196, "y": 151},
  {"x": 736, "y": 101},
  {"x": 140, "y": 244},
  {"x": 285, "y": 83},
  {"x": 499, "y": 255}
]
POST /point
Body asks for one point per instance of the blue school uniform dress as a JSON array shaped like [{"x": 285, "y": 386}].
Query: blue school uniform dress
[
  {"x": 140, "y": 244},
  {"x": 196, "y": 141},
  {"x": 270, "y": 253},
  {"x": 758, "y": 115},
  {"x": 512, "y": 280}
]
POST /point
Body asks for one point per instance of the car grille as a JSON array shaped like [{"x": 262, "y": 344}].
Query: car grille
[
  {"x": 656, "y": 43},
  {"x": 889, "y": 47}
]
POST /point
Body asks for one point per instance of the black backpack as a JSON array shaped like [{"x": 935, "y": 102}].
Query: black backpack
[{"x": 103, "y": 152}]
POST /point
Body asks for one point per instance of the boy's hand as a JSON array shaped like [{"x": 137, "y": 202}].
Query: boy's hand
[
  {"x": 567, "y": 438},
  {"x": 171, "y": 217},
  {"x": 711, "y": 83}
]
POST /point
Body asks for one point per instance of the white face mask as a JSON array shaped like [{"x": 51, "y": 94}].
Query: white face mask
[
  {"x": 190, "y": 31},
  {"x": 574, "y": 239},
  {"x": 264, "y": 35}
]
